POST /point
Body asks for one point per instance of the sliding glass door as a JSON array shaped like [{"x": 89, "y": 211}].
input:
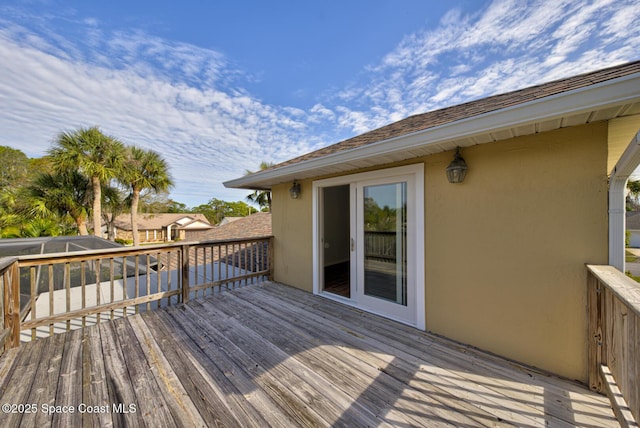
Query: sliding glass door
[{"x": 369, "y": 243}]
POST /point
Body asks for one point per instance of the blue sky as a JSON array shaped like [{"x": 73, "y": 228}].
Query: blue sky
[{"x": 217, "y": 87}]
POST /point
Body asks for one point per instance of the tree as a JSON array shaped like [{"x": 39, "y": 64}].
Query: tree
[
  {"x": 14, "y": 167},
  {"x": 61, "y": 194},
  {"x": 261, "y": 197},
  {"x": 634, "y": 194},
  {"x": 160, "y": 203},
  {"x": 115, "y": 202},
  {"x": 143, "y": 170},
  {"x": 216, "y": 209},
  {"x": 95, "y": 155}
]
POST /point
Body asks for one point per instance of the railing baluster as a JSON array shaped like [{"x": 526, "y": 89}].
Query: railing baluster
[
  {"x": 270, "y": 259},
  {"x": 98, "y": 287},
  {"x": 219, "y": 259},
  {"x": 169, "y": 273},
  {"x": 136, "y": 281},
  {"x": 32, "y": 298},
  {"x": 51, "y": 308},
  {"x": 83, "y": 287},
  {"x": 213, "y": 275},
  {"x": 195, "y": 260},
  {"x": 67, "y": 286},
  {"x": 148, "y": 271},
  {"x": 226, "y": 266},
  {"x": 185, "y": 273},
  {"x": 158, "y": 284},
  {"x": 111, "y": 284},
  {"x": 124, "y": 284}
]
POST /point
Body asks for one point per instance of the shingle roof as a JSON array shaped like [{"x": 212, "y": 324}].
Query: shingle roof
[
  {"x": 253, "y": 226},
  {"x": 455, "y": 113},
  {"x": 151, "y": 221}
]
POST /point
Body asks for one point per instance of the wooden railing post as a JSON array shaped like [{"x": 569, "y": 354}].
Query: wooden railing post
[
  {"x": 614, "y": 340},
  {"x": 12, "y": 304},
  {"x": 595, "y": 348},
  {"x": 185, "y": 273}
]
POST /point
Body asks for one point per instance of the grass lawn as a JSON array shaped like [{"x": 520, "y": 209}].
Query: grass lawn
[{"x": 631, "y": 258}]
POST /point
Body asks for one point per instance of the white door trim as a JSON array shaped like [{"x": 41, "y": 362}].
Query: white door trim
[{"x": 418, "y": 269}]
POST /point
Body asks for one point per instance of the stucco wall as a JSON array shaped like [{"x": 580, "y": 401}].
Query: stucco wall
[
  {"x": 621, "y": 132},
  {"x": 292, "y": 231},
  {"x": 504, "y": 251}
]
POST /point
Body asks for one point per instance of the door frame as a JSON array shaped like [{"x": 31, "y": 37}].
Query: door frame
[{"x": 416, "y": 257}]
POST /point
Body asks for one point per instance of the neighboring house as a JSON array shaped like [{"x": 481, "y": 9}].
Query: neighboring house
[
  {"x": 253, "y": 226},
  {"x": 633, "y": 227},
  {"x": 497, "y": 261},
  {"x": 163, "y": 227}
]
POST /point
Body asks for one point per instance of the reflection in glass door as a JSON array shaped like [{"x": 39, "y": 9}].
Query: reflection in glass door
[{"x": 384, "y": 225}]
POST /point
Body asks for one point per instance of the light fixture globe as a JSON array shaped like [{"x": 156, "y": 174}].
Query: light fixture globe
[
  {"x": 457, "y": 169},
  {"x": 294, "y": 191}
]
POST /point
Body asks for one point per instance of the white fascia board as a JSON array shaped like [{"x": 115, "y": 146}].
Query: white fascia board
[{"x": 602, "y": 95}]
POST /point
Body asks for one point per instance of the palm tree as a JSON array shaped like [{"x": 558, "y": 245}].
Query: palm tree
[
  {"x": 95, "y": 155},
  {"x": 143, "y": 170},
  {"x": 261, "y": 197},
  {"x": 61, "y": 194},
  {"x": 41, "y": 227},
  {"x": 114, "y": 203}
]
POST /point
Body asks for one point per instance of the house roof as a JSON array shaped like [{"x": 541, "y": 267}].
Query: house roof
[
  {"x": 229, "y": 220},
  {"x": 253, "y": 226},
  {"x": 151, "y": 221},
  {"x": 590, "y": 97}
]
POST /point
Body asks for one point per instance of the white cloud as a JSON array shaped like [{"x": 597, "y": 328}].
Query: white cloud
[
  {"x": 509, "y": 45},
  {"x": 208, "y": 133}
]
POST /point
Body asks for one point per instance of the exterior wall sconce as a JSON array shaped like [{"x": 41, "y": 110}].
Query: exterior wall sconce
[
  {"x": 457, "y": 169},
  {"x": 294, "y": 191}
]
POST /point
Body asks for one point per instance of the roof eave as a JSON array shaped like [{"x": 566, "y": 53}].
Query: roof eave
[{"x": 602, "y": 95}]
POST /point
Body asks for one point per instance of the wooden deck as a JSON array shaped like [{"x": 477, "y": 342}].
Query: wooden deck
[{"x": 269, "y": 355}]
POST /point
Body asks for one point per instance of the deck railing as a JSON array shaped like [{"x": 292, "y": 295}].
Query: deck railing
[
  {"x": 51, "y": 293},
  {"x": 614, "y": 340}
]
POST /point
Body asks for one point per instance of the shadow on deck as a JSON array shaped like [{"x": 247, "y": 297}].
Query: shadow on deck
[{"x": 270, "y": 355}]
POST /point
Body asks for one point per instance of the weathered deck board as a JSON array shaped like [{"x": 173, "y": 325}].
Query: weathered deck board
[
  {"x": 420, "y": 404},
  {"x": 269, "y": 355},
  {"x": 488, "y": 380},
  {"x": 422, "y": 408}
]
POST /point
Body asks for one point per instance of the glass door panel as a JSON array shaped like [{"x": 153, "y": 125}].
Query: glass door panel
[{"x": 384, "y": 225}]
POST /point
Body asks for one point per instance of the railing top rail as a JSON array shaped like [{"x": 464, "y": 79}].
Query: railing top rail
[
  {"x": 625, "y": 288},
  {"x": 126, "y": 251},
  {"x": 232, "y": 240},
  {"x": 5, "y": 262}
]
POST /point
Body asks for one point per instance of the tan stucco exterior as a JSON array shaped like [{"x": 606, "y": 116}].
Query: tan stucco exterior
[
  {"x": 292, "y": 231},
  {"x": 504, "y": 251},
  {"x": 621, "y": 131}
]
